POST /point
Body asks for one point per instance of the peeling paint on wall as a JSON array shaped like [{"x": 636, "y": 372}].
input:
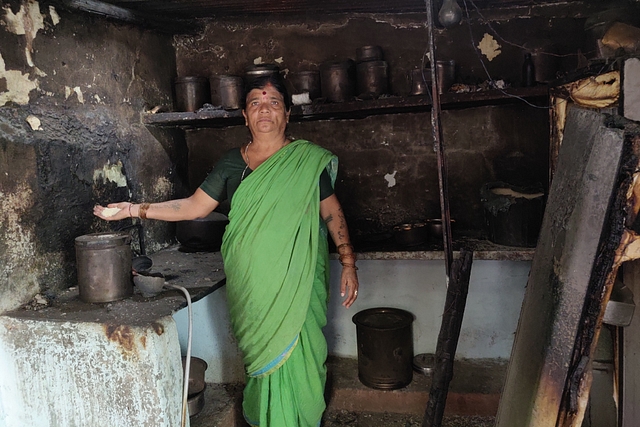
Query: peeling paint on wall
[
  {"x": 55, "y": 18},
  {"x": 489, "y": 47},
  {"x": 20, "y": 246},
  {"x": 68, "y": 91},
  {"x": 34, "y": 122},
  {"x": 18, "y": 85},
  {"x": 112, "y": 173},
  {"x": 28, "y": 21},
  {"x": 391, "y": 179}
]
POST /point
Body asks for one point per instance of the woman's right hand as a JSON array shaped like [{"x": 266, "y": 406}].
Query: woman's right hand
[{"x": 111, "y": 212}]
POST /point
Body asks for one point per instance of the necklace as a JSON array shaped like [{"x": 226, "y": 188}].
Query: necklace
[{"x": 246, "y": 155}]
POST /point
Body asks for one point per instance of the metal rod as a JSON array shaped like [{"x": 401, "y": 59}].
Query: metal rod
[{"x": 436, "y": 129}]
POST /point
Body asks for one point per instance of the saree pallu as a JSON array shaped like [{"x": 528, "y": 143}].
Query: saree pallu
[{"x": 276, "y": 263}]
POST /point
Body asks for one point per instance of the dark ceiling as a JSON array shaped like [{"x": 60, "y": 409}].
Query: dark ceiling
[{"x": 190, "y": 9}]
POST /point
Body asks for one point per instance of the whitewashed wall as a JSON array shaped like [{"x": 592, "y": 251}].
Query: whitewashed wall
[{"x": 495, "y": 296}]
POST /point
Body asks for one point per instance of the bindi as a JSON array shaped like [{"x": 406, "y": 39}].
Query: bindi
[{"x": 264, "y": 92}]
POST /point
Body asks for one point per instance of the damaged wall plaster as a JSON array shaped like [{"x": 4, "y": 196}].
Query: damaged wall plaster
[
  {"x": 111, "y": 173},
  {"x": 489, "y": 47},
  {"x": 391, "y": 179},
  {"x": 18, "y": 85},
  {"x": 19, "y": 244}
]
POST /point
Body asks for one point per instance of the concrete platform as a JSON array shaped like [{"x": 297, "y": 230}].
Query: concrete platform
[{"x": 472, "y": 401}]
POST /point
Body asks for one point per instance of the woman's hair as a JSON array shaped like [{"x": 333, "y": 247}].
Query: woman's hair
[{"x": 275, "y": 80}]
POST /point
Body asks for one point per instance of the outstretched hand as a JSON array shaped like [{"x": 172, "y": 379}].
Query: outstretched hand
[{"x": 113, "y": 211}]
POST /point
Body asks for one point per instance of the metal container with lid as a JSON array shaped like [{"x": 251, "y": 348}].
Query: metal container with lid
[
  {"x": 337, "y": 80},
  {"x": 255, "y": 71},
  {"x": 369, "y": 53},
  {"x": 385, "y": 347},
  {"x": 104, "y": 266},
  {"x": 191, "y": 93},
  {"x": 227, "y": 91},
  {"x": 305, "y": 82},
  {"x": 372, "y": 78}
]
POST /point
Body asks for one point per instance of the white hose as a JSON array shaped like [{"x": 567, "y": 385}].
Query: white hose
[{"x": 187, "y": 363}]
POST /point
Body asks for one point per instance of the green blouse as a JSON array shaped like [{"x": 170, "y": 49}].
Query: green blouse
[{"x": 223, "y": 181}]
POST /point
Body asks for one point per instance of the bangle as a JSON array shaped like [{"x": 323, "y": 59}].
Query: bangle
[
  {"x": 130, "y": 216},
  {"x": 142, "y": 212},
  {"x": 348, "y": 256},
  {"x": 344, "y": 245},
  {"x": 349, "y": 265}
]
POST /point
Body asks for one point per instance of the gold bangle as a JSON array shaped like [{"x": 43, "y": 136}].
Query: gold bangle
[
  {"x": 142, "y": 212},
  {"x": 350, "y": 265}
]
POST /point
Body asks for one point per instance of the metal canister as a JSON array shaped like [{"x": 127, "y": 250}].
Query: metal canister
[
  {"x": 191, "y": 93},
  {"x": 104, "y": 266},
  {"x": 372, "y": 78},
  {"x": 337, "y": 80},
  {"x": 227, "y": 91},
  {"x": 385, "y": 347}
]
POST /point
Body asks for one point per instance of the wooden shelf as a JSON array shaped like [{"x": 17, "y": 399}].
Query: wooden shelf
[{"x": 356, "y": 109}]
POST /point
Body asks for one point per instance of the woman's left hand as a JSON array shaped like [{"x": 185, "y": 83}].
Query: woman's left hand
[{"x": 349, "y": 286}]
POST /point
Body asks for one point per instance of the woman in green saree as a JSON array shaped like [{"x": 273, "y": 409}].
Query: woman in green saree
[{"x": 275, "y": 252}]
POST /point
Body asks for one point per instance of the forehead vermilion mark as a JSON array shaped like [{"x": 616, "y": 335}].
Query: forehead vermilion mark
[{"x": 264, "y": 92}]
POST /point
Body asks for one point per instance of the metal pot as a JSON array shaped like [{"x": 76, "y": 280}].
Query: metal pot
[
  {"x": 191, "y": 92},
  {"x": 368, "y": 53},
  {"x": 202, "y": 234},
  {"x": 305, "y": 81},
  {"x": 104, "y": 266},
  {"x": 252, "y": 72},
  {"x": 227, "y": 91},
  {"x": 372, "y": 78},
  {"x": 337, "y": 80},
  {"x": 410, "y": 234}
]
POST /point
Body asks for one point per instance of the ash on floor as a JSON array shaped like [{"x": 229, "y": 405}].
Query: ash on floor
[{"x": 368, "y": 419}]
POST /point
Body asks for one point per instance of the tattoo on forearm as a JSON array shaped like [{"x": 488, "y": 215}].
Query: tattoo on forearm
[
  {"x": 328, "y": 219},
  {"x": 175, "y": 206}
]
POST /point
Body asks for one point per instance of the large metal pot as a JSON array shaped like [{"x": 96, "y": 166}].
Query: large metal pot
[
  {"x": 202, "y": 234},
  {"x": 337, "y": 80},
  {"x": 104, "y": 266}
]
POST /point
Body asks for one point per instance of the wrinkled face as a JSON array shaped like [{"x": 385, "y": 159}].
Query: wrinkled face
[{"x": 265, "y": 111}]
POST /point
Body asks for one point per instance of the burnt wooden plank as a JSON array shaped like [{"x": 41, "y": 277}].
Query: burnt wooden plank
[
  {"x": 557, "y": 295},
  {"x": 452, "y": 317}
]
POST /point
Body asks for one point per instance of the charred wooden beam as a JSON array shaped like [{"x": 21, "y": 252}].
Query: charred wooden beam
[
  {"x": 134, "y": 17},
  {"x": 452, "y": 317},
  {"x": 582, "y": 242}
]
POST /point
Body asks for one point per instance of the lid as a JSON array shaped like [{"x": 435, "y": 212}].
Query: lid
[
  {"x": 103, "y": 240},
  {"x": 258, "y": 69},
  {"x": 424, "y": 363},
  {"x": 383, "y": 318},
  {"x": 189, "y": 79}
]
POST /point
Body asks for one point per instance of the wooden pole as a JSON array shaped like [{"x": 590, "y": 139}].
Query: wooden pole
[{"x": 436, "y": 129}]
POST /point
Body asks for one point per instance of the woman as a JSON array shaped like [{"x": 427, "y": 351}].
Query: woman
[{"x": 275, "y": 253}]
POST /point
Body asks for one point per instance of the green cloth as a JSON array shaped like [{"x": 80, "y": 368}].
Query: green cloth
[{"x": 276, "y": 262}]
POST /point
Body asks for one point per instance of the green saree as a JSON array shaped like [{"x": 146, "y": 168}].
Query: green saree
[{"x": 276, "y": 262}]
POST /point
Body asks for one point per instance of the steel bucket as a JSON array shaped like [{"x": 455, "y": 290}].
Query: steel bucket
[{"x": 385, "y": 347}]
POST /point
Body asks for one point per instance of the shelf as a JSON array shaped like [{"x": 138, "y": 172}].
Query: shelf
[{"x": 356, "y": 109}]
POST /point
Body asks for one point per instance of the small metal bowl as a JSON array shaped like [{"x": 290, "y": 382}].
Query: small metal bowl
[
  {"x": 423, "y": 363},
  {"x": 149, "y": 285}
]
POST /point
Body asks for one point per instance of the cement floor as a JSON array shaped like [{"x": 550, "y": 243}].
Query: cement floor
[
  {"x": 472, "y": 400},
  {"x": 372, "y": 419}
]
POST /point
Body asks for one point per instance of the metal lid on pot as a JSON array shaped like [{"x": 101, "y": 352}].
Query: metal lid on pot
[
  {"x": 384, "y": 318},
  {"x": 103, "y": 240}
]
